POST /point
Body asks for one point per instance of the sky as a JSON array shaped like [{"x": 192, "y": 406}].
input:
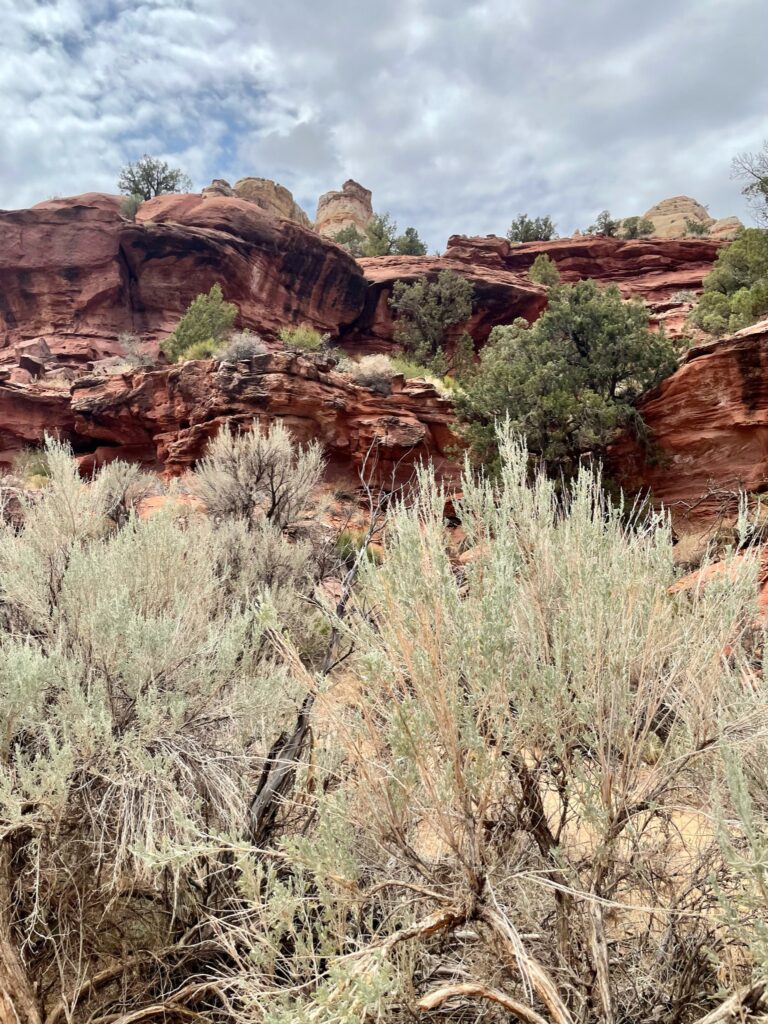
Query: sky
[{"x": 457, "y": 114}]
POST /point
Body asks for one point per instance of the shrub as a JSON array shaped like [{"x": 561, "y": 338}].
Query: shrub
[
  {"x": 349, "y": 544},
  {"x": 129, "y": 207},
  {"x": 636, "y": 227},
  {"x": 303, "y": 338},
  {"x": 604, "y": 225},
  {"x": 205, "y": 325},
  {"x": 242, "y": 346},
  {"x": 380, "y": 235},
  {"x": 137, "y": 700},
  {"x": 736, "y": 291},
  {"x": 543, "y": 271},
  {"x": 696, "y": 228},
  {"x": 349, "y": 238},
  {"x": 373, "y": 371},
  {"x": 426, "y": 309},
  {"x": 568, "y": 381},
  {"x": 534, "y": 786},
  {"x": 258, "y": 474},
  {"x": 409, "y": 244},
  {"x": 684, "y": 295},
  {"x": 31, "y": 466},
  {"x": 150, "y": 177},
  {"x": 527, "y": 229},
  {"x": 207, "y": 349}
]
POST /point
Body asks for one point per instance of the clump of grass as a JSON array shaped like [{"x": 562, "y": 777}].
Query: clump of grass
[{"x": 303, "y": 338}]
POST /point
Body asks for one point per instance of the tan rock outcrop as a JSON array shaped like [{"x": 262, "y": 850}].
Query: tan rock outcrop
[
  {"x": 669, "y": 219},
  {"x": 271, "y": 197},
  {"x": 351, "y": 207}
]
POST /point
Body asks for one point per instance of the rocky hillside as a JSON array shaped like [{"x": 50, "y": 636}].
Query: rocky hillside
[{"x": 75, "y": 274}]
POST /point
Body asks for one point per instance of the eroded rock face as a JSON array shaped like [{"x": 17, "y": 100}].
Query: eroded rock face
[
  {"x": 708, "y": 426},
  {"x": 665, "y": 273},
  {"x": 75, "y": 272},
  {"x": 351, "y": 207},
  {"x": 164, "y": 418},
  {"x": 670, "y": 215},
  {"x": 500, "y": 296},
  {"x": 271, "y": 197}
]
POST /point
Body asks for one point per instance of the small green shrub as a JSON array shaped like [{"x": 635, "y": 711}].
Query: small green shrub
[
  {"x": 636, "y": 227},
  {"x": 208, "y": 319},
  {"x": 134, "y": 356},
  {"x": 543, "y": 271},
  {"x": 207, "y": 349},
  {"x": 349, "y": 238},
  {"x": 531, "y": 229},
  {"x": 604, "y": 225},
  {"x": 425, "y": 310},
  {"x": 130, "y": 205},
  {"x": 241, "y": 347},
  {"x": 409, "y": 244},
  {"x": 373, "y": 371},
  {"x": 32, "y": 466},
  {"x": 380, "y": 236},
  {"x": 349, "y": 544},
  {"x": 696, "y": 228},
  {"x": 303, "y": 338},
  {"x": 736, "y": 291}
]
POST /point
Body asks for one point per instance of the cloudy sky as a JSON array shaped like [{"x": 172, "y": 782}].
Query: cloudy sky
[{"x": 458, "y": 114}]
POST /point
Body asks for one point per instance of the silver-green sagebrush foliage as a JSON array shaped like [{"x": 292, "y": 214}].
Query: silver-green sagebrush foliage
[{"x": 533, "y": 790}]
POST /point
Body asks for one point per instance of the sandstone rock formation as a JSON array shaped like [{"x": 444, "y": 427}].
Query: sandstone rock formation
[
  {"x": 501, "y": 295},
  {"x": 164, "y": 418},
  {"x": 670, "y": 215},
  {"x": 274, "y": 199},
  {"x": 657, "y": 271},
  {"x": 351, "y": 207},
  {"x": 708, "y": 427},
  {"x": 75, "y": 272}
]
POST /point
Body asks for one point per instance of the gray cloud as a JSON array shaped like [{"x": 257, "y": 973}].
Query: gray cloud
[{"x": 458, "y": 114}]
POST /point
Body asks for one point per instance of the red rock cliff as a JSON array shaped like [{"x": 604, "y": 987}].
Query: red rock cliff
[
  {"x": 77, "y": 273},
  {"x": 708, "y": 427}
]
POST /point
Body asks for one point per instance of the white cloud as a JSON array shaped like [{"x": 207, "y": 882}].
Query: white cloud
[{"x": 458, "y": 114}]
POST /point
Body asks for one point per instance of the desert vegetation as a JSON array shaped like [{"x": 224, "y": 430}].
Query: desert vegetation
[
  {"x": 531, "y": 229},
  {"x": 149, "y": 177},
  {"x": 506, "y": 772},
  {"x": 569, "y": 380},
  {"x": 736, "y": 291},
  {"x": 381, "y": 239}
]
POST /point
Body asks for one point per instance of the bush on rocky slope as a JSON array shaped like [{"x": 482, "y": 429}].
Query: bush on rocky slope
[
  {"x": 203, "y": 328},
  {"x": 736, "y": 292},
  {"x": 500, "y": 786},
  {"x": 568, "y": 381}
]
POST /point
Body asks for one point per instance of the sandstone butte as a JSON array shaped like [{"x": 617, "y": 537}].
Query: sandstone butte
[{"x": 350, "y": 207}]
